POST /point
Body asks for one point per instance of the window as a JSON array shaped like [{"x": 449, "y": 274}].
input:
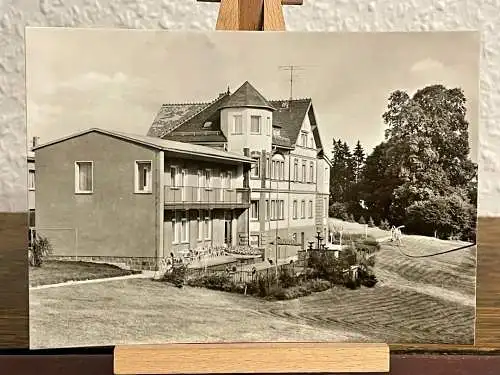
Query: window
[
  {"x": 268, "y": 167},
  {"x": 276, "y": 131},
  {"x": 254, "y": 210},
  {"x": 303, "y": 209},
  {"x": 31, "y": 180},
  {"x": 174, "y": 177},
  {"x": 311, "y": 172},
  {"x": 200, "y": 225},
  {"x": 255, "y": 124},
  {"x": 294, "y": 209},
  {"x": 208, "y": 225},
  {"x": 326, "y": 206},
  {"x": 268, "y": 208},
  {"x": 282, "y": 170},
  {"x": 184, "y": 229},
  {"x": 237, "y": 124},
  {"x": 278, "y": 210},
  {"x": 311, "y": 143},
  {"x": 208, "y": 174},
  {"x": 296, "y": 170},
  {"x": 229, "y": 178},
  {"x": 304, "y": 171},
  {"x": 143, "y": 176},
  {"x": 303, "y": 139},
  {"x": 175, "y": 228},
  {"x": 311, "y": 208},
  {"x": 268, "y": 126},
  {"x": 84, "y": 177},
  {"x": 256, "y": 168}
]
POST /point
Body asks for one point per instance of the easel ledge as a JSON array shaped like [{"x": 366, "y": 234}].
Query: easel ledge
[
  {"x": 251, "y": 15},
  {"x": 263, "y": 358}
]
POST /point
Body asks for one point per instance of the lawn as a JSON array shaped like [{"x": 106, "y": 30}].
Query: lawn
[
  {"x": 53, "y": 272},
  {"x": 427, "y": 300}
]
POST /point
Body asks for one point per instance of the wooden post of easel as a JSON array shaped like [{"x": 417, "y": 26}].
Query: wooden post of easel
[{"x": 251, "y": 15}]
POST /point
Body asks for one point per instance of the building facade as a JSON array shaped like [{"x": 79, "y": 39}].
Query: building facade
[
  {"x": 289, "y": 182},
  {"x": 132, "y": 200}
]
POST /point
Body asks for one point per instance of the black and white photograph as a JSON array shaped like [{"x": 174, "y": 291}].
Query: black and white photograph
[{"x": 251, "y": 187}]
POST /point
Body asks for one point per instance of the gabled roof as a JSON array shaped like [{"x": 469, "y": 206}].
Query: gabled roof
[
  {"x": 247, "y": 96},
  {"x": 289, "y": 116},
  {"x": 159, "y": 144}
]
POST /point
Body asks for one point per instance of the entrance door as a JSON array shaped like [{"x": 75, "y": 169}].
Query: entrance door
[{"x": 228, "y": 235}]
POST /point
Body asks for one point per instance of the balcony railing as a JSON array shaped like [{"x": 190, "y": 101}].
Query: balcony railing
[{"x": 194, "y": 196}]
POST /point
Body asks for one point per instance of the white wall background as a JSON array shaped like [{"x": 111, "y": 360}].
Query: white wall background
[{"x": 314, "y": 15}]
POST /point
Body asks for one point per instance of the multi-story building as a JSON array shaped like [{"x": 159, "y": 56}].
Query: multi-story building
[
  {"x": 289, "y": 182},
  {"x": 31, "y": 191},
  {"x": 240, "y": 170},
  {"x": 128, "y": 199}
]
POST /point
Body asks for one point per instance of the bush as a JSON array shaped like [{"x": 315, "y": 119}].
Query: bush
[
  {"x": 368, "y": 245},
  {"x": 362, "y": 220},
  {"x": 337, "y": 210},
  {"x": 371, "y": 223},
  {"x": 176, "y": 276},
  {"x": 304, "y": 289},
  {"x": 353, "y": 284},
  {"x": 286, "y": 278},
  {"x": 384, "y": 225},
  {"x": 40, "y": 249},
  {"x": 367, "y": 278},
  {"x": 351, "y": 218}
]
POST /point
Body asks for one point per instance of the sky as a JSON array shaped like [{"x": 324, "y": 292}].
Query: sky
[{"x": 118, "y": 78}]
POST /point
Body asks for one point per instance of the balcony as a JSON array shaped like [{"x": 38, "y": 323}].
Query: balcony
[{"x": 185, "y": 197}]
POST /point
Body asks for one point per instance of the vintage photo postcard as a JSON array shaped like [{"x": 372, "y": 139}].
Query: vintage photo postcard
[{"x": 239, "y": 186}]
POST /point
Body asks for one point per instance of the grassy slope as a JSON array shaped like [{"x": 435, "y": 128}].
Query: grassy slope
[{"x": 428, "y": 300}]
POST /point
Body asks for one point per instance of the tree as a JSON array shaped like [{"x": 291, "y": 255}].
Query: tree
[
  {"x": 428, "y": 134},
  {"x": 442, "y": 216},
  {"x": 380, "y": 179},
  {"x": 359, "y": 161}
]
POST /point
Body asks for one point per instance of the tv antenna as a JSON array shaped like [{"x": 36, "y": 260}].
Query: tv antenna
[{"x": 292, "y": 69}]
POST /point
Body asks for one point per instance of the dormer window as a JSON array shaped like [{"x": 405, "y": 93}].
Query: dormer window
[
  {"x": 276, "y": 131},
  {"x": 207, "y": 125}
]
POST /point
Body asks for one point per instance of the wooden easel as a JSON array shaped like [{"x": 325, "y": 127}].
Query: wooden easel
[{"x": 251, "y": 15}]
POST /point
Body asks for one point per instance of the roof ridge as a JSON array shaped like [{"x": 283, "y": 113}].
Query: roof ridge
[
  {"x": 208, "y": 104},
  {"x": 185, "y": 103},
  {"x": 287, "y": 100}
]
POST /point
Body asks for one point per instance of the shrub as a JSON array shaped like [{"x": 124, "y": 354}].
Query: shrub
[
  {"x": 368, "y": 245},
  {"x": 40, "y": 249},
  {"x": 286, "y": 278},
  {"x": 367, "y": 278},
  {"x": 371, "y": 223},
  {"x": 176, "y": 276},
  {"x": 353, "y": 284},
  {"x": 362, "y": 220},
  {"x": 302, "y": 290},
  {"x": 351, "y": 218},
  {"x": 337, "y": 210},
  {"x": 384, "y": 225}
]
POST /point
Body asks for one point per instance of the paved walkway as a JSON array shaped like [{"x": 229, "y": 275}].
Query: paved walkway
[{"x": 144, "y": 275}]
